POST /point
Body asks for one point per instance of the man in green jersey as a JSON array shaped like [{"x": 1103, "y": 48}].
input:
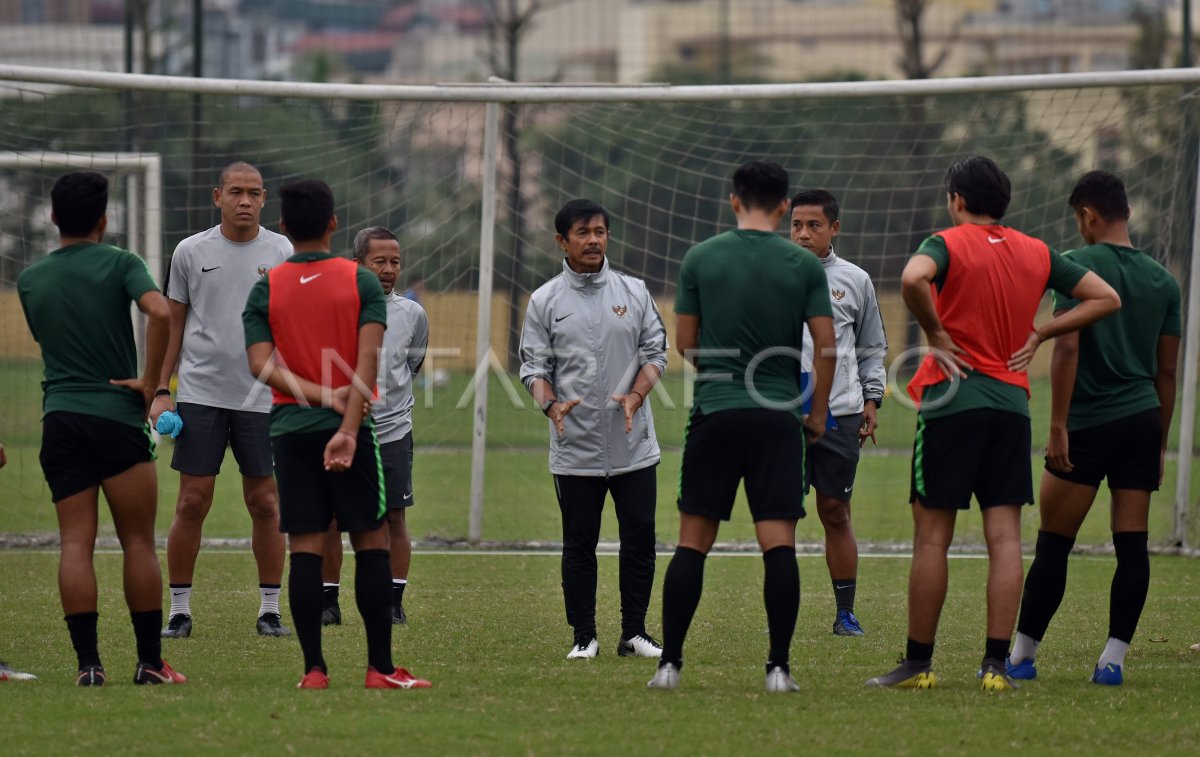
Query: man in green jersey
[
  {"x": 1113, "y": 394},
  {"x": 743, "y": 300},
  {"x": 94, "y": 430}
]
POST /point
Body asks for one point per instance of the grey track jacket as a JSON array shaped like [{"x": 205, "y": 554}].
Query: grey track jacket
[
  {"x": 588, "y": 335},
  {"x": 861, "y": 340}
]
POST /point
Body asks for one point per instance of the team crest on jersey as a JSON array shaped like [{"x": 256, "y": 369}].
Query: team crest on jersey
[
  {"x": 263, "y": 270},
  {"x": 838, "y": 294},
  {"x": 620, "y": 310}
]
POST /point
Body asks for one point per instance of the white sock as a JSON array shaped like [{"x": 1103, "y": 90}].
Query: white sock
[
  {"x": 269, "y": 596},
  {"x": 1114, "y": 653},
  {"x": 181, "y": 600},
  {"x": 1025, "y": 648}
]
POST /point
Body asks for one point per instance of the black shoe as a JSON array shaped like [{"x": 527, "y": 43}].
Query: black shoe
[
  {"x": 331, "y": 615},
  {"x": 269, "y": 624},
  {"x": 90, "y": 675},
  {"x": 178, "y": 627},
  {"x": 399, "y": 617}
]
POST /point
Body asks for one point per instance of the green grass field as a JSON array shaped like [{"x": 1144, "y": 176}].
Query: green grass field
[{"x": 488, "y": 630}]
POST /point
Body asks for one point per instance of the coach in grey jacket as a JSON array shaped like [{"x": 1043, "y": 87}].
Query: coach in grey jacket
[
  {"x": 857, "y": 393},
  {"x": 592, "y": 347}
]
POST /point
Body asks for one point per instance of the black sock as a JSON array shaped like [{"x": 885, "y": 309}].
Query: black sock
[
  {"x": 843, "y": 593},
  {"x": 82, "y": 627},
  {"x": 329, "y": 594},
  {"x": 1045, "y": 584},
  {"x": 781, "y": 595},
  {"x": 147, "y": 630},
  {"x": 996, "y": 649},
  {"x": 304, "y": 596},
  {"x": 398, "y": 592},
  {"x": 1130, "y": 584},
  {"x": 918, "y": 652},
  {"x": 682, "y": 586},
  {"x": 372, "y": 576}
]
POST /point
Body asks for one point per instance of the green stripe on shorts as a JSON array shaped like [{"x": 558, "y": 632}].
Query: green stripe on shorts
[
  {"x": 150, "y": 442},
  {"x": 379, "y": 473},
  {"x": 919, "y": 456}
]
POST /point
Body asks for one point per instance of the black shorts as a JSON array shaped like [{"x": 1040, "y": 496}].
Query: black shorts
[
  {"x": 80, "y": 451},
  {"x": 1125, "y": 451},
  {"x": 983, "y": 452},
  {"x": 310, "y": 496},
  {"x": 830, "y": 465},
  {"x": 207, "y": 431},
  {"x": 763, "y": 447},
  {"x": 397, "y": 459}
]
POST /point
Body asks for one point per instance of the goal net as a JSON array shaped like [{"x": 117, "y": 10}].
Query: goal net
[{"x": 415, "y": 160}]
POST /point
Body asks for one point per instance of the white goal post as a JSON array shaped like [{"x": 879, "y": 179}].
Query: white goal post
[
  {"x": 148, "y": 168},
  {"x": 143, "y": 224}
]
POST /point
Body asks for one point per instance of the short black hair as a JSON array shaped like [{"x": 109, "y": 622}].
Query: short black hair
[
  {"x": 1103, "y": 192},
  {"x": 306, "y": 207},
  {"x": 761, "y": 185},
  {"x": 984, "y": 188},
  {"x": 363, "y": 239},
  {"x": 79, "y": 200},
  {"x": 237, "y": 165},
  {"x": 829, "y": 204},
  {"x": 578, "y": 210}
]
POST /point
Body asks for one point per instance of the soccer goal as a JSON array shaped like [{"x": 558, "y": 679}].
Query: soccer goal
[{"x": 470, "y": 176}]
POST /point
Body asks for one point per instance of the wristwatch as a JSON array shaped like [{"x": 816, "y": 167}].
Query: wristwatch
[
  {"x": 547, "y": 405},
  {"x": 162, "y": 393}
]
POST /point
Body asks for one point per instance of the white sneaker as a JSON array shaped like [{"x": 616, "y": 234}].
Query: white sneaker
[
  {"x": 641, "y": 645},
  {"x": 666, "y": 678},
  {"x": 779, "y": 681},
  {"x": 585, "y": 651}
]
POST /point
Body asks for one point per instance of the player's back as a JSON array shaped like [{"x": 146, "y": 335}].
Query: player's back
[
  {"x": 754, "y": 290},
  {"x": 1118, "y": 355},
  {"x": 77, "y": 301}
]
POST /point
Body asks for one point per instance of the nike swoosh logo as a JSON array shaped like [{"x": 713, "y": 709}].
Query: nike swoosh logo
[
  {"x": 178, "y": 593},
  {"x": 848, "y": 488},
  {"x": 996, "y": 240},
  {"x": 270, "y": 593},
  {"x": 847, "y": 586},
  {"x": 306, "y": 279},
  {"x": 408, "y": 496},
  {"x": 206, "y": 270},
  {"x": 568, "y": 315}
]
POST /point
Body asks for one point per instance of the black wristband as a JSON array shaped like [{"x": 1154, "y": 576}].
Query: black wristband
[
  {"x": 162, "y": 393},
  {"x": 546, "y": 407}
]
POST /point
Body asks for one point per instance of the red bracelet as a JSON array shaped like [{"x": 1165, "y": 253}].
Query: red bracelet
[
  {"x": 641, "y": 396},
  {"x": 347, "y": 433}
]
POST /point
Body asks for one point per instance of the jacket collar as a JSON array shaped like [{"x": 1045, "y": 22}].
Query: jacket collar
[
  {"x": 829, "y": 259},
  {"x": 584, "y": 280}
]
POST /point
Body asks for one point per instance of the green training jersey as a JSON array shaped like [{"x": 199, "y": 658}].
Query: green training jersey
[
  {"x": 76, "y": 302},
  {"x": 289, "y": 418},
  {"x": 980, "y": 391},
  {"x": 752, "y": 291},
  {"x": 1118, "y": 355}
]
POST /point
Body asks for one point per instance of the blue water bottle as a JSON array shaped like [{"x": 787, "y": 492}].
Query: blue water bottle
[
  {"x": 169, "y": 424},
  {"x": 806, "y": 406}
]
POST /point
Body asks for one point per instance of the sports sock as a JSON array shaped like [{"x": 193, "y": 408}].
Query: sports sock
[
  {"x": 181, "y": 600},
  {"x": 329, "y": 593},
  {"x": 268, "y": 599},
  {"x": 146, "y": 630},
  {"x": 82, "y": 627},
  {"x": 372, "y": 571},
  {"x": 304, "y": 597},
  {"x": 781, "y": 595},
  {"x": 843, "y": 593},
  {"x": 1045, "y": 584},
  {"x": 398, "y": 586},
  {"x": 1130, "y": 583},
  {"x": 1114, "y": 653},
  {"x": 919, "y": 653},
  {"x": 1024, "y": 648},
  {"x": 995, "y": 649},
  {"x": 682, "y": 587}
]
